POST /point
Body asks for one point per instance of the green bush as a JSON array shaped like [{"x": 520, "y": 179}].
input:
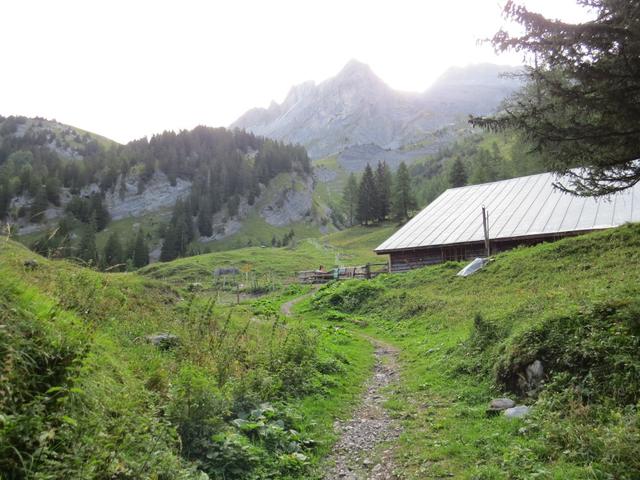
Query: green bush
[
  {"x": 597, "y": 349},
  {"x": 349, "y": 296}
]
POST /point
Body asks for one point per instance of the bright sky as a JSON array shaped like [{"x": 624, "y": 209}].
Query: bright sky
[{"x": 129, "y": 68}]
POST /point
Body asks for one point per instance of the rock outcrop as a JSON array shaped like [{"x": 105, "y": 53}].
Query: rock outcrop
[{"x": 356, "y": 108}]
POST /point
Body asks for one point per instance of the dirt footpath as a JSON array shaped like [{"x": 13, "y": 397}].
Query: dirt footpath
[{"x": 364, "y": 450}]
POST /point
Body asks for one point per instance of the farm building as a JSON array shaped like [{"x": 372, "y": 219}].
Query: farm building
[{"x": 520, "y": 211}]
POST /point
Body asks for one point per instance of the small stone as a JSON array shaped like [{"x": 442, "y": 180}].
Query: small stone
[
  {"x": 31, "y": 264},
  {"x": 366, "y": 462},
  {"x": 519, "y": 411},
  {"x": 164, "y": 341},
  {"x": 498, "y": 404}
]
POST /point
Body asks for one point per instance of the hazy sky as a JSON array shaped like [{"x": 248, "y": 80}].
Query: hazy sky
[{"x": 131, "y": 68}]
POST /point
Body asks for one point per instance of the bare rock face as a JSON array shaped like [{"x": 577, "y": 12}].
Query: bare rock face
[
  {"x": 291, "y": 205},
  {"x": 158, "y": 193},
  {"x": 356, "y": 108}
]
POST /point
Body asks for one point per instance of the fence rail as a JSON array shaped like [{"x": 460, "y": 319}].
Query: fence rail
[{"x": 367, "y": 271}]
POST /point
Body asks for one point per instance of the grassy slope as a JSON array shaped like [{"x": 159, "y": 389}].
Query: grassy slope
[
  {"x": 529, "y": 298},
  {"x": 353, "y": 246},
  {"x": 86, "y": 347}
]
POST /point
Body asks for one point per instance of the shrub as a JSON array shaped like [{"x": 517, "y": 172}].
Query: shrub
[
  {"x": 597, "y": 348},
  {"x": 349, "y": 296}
]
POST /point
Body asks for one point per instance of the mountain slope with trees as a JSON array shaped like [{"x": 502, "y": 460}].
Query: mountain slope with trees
[{"x": 53, "y": 176}]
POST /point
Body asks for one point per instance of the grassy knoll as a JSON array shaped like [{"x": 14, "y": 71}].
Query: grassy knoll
[
  {"x": 353, "y": 246},
  {"x": 242, "y": 393},
  {"x": 573, "y": 304}
]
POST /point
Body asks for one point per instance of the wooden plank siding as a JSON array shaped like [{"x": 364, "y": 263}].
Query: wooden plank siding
[{"x": 403, "y": 260}]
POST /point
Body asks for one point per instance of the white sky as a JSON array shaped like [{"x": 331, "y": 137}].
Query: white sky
[{"x": 125, "y": 69}]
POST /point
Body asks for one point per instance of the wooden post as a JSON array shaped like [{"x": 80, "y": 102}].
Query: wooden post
[{"x": 485, "y": 224}]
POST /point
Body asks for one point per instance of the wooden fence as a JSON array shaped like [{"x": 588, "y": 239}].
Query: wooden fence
[{"x": 367, "y": 271}]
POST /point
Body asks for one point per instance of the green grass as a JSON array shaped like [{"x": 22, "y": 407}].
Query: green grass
[
  {"x": 572, "y": 304},
  {"x": 353, "y": 246},
  {"x": 84, "y": 395}
]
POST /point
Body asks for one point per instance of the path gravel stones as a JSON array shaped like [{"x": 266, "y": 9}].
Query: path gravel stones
[
  {"x": 365, "y": 448},
  {"x": 363, "y": 451}
]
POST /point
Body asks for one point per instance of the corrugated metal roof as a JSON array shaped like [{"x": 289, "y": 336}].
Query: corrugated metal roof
[{"x": 519, "y": 207}]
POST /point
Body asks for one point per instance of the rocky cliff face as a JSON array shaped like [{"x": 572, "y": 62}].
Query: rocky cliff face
[{"x": 356, "y": 108}]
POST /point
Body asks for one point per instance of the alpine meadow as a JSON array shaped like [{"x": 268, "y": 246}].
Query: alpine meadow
[{"x": 435, "y": 277}]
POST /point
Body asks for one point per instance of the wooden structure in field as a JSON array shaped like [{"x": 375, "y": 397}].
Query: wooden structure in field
[
  {"x": 520, "y": 211},
  {"x": 370, "y": 270}
]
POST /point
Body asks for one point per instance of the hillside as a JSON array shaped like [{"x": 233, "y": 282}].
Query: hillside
[
  {"x": 84, "y": 374},
  {"x": 119, "y": 376},
  {"x": 356, "y": 114},
  {"x": 572, "y": 305},
  {"x": 271, "y": 268},
  {"x": 56, "y": 178}
]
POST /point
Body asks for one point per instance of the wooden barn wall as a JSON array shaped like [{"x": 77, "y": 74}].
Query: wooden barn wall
[{"x": 407, "y": 259}]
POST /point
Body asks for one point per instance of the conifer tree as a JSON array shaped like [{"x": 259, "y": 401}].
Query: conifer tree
[
  {"x": 350, "y": 198},
  {"x": 457, "y": 173},
  {"x": 178, "y": 233},
  {"x": 403, "y": 199},
  {"x": 99, "y": 212},
  {"x": 169, "y": 249},
  {"x": 580, "y": 106},
  {"x": 140, "y": 256},
  {"x": 383, "y": 180},
  {"x": 113, "y": 253},
  {"x": 39, "y": 206},
  {"x": 366, "y": 197},
  {"x": 87, "y": 249},
  {"x": 204, "y": 220}
]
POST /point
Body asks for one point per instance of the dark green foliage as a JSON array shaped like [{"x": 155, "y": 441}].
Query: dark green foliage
[
  {"x": 595, "y": 352},
  {"x": 87, "y": 250},
  {"x": 367, "y": 194},
  {"x": 403, "y": 199},
  {"x": 457, "y": 173},
  {"x": 113, "y": 252},
  {"x": 39, "y": 206},
  {"x": 99, "y": 212},
  {"x": 37, "y": 379},
  {"x": 178, "y": 233},
  {"x": 89, "y": 209},
  {"x": 482, "y": 164},
  {"x": 52, "y": 188},
  {"x": 347, "y": 296},
  {"x": 580, "y": 106},
  {"x": 55, "y": 243},
  {"x": 140, "y": 253},
  {"x": 383, "y": 181},
  {"x": 232, "y": 205},
  {"x": 224, "y": 167},
  {"x": 204, "y": 220},
  {"x": 350, "y": 198}
]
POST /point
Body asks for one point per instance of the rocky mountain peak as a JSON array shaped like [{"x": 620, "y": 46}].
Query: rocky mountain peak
[
  {"x": 358, "y": 75},
  {"x": 356, "y": 108}
]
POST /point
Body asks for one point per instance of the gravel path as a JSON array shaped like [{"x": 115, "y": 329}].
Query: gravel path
[
  {"x": 363, "y": 451},
  {"x": 286, "y": 307}
]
